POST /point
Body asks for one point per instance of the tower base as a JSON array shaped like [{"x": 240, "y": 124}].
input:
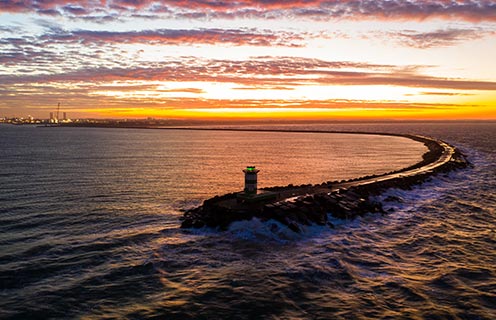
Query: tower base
[{"x": 259, "y": 196}]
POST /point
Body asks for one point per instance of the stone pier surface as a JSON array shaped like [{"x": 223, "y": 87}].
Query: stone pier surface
[{"x": 295, "y": 206}]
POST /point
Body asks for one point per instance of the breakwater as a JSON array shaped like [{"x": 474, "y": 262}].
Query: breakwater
[{"x": 309, "y": 204}]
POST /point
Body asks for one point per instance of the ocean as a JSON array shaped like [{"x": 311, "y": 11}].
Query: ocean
[{"x": 89, "y": 226}]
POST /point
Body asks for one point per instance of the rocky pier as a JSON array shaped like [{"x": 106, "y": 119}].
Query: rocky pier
[{"x": 295, "y": 206}]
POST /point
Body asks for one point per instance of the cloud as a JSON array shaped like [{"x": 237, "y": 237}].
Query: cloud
[
  {"x": 182, "y": 90},
  {"x": 28, "y": 57},
  {"x": 468, "y": 10},
  {"x": 266, "y": 72},
  {"x": 437, "y": 38},
  {"x": 264, "y": 88},
  {"x": 75, "y": 10},
  {"x": 46, "y": 97},
  {"x": 11, "y": 29},
  {"x": 237, "y": 37},
  {"x": 429, "y": 93}
]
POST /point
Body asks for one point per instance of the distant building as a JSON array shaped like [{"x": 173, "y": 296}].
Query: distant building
[{"x": 65, "y": 116}]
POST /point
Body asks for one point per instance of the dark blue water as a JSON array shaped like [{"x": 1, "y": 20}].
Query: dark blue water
[{"x": 89, "y": 229}]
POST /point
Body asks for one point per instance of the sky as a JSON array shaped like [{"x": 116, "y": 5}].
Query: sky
[{"x": 249, "y": 59}]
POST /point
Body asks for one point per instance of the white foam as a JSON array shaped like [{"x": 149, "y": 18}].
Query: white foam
[{"x": 257, "y": 230}]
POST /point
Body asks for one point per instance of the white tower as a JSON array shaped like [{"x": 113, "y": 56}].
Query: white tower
[{"x": 251, "y": 179}]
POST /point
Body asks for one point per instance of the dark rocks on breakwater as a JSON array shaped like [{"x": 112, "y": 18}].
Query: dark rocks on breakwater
[
  {"x": 304, "y": 210},
  {"x": 295, "y": 206}
]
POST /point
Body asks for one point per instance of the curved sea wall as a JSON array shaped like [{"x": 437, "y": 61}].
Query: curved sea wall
[{"x": 311, "y": 204}]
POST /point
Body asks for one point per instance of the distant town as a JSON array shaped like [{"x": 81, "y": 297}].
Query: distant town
[
  {"x": 32, "y": 120},
  {"x": 53, "y": 120},
  {"x": 66, "y": 121}
]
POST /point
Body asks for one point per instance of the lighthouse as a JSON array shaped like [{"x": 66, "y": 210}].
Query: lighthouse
[
  {"x": 251, "y": 180},
  {"x": 250, "y": 195}
]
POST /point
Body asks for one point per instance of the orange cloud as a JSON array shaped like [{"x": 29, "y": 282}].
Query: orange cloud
[
  {"x": 260, "y": 72},
  {"x": 237, "y": 37},
  {"x": 468, "y": 10},
  {"x": 437, "y": 38}
]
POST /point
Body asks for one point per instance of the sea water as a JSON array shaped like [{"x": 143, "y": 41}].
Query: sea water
[{"x": 89, "y": 222}]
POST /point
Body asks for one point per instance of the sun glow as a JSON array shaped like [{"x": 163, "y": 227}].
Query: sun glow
[{"x": 308, "y": 113}]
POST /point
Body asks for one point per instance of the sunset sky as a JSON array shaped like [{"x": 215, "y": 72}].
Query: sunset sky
[{"x": 250, "y": 58}]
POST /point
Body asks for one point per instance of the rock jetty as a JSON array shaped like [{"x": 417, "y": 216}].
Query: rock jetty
[{"x": 295, "y": 206}]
